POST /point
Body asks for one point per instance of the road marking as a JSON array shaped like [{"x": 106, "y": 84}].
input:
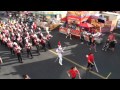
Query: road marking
[
  {"x": 108, "y": 75},
  {"x": 84, "y": 68}
]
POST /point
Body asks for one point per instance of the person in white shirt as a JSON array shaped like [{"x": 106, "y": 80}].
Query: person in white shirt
[{"x": 59, "y": 51}]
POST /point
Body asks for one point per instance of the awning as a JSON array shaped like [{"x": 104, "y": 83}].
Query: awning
[{"x": 86, "y": 25}]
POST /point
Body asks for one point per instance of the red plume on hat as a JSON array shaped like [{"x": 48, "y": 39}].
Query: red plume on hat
[{"x": 59, "y": 43}]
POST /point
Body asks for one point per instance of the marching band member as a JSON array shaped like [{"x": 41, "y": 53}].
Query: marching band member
[
  {"x": 59, "y": 51},
  {"x": 48, "y": 37},
  {"x": 40, "y": 35},
  {"x": 4, "y": 40},
  {"x": 43, "y": 42},
  {"x": 18, "y": 53},
  {"x": 20, "y": 41},
  {"x": 59, "y": 44},
  {"x": 28, "y": 47},
  {"x": 37, "y": 43}
]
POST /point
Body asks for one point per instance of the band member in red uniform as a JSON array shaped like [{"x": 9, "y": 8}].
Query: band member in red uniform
[
  {"x": 59, "y": 44},
  {"x": 43, "y": 42},
  {"x": 4, "y": 40},
  {"x": 28, "y": 47},
  {"x": 32, "y": 36},
  {"x": 20, "y": 42},
  {"x": 73, "y": 73},
  {"x": 13, "y": 37},
  {"x": 34, "y": 26},
  {"x": 37, "y": 43},
  {"x": 90, "y": 59},
  {"x": 48, "y": 37},
  {"x": 60, "y": 52},
  {"x": 40, "y": 35},
  {"x": 18, "y": 53}
]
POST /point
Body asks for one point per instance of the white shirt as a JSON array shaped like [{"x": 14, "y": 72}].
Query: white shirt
[{"x": 59, "y": 50}]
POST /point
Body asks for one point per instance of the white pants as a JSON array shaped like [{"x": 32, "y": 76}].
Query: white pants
[{"x": 60, "y": 58}]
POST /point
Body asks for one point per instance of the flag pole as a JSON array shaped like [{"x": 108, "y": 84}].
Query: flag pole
[{"x": 96, "y": 67}]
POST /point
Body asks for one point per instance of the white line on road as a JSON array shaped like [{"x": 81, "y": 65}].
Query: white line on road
[{"x": 108, "y": 75}]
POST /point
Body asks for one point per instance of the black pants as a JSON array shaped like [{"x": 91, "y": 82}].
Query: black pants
[
  {"x": 33, "y": 42},
  {"x": 49, "y": 45},
  {"x": 11, "y": 50},
  {"x": 29, "y": 53},
  {"x": 38, "y": 49},
  {"x": 1, "y": 42},
  {"x": 44, "y": 47},
  {"x": 5, "y": 44},
  {"x": 21, "y": 45},
  {"x": 19, "y": 57},
  {"x": 90, "y": 65}
]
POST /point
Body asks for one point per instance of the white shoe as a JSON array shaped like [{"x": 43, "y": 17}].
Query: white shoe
[
  {"x": 70, "y": 38},
  {"x": 66, "y": 36},
  {"x": 61, "y": 64}
]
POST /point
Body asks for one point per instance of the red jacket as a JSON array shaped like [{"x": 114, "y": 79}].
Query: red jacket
[
  {"x": 42, "y": 41},
  {"x": 90, "y": 58},
  {"x": 36, "y": 41},
  {"x": 73, "y": 73},
  {"x": 10, "y": 44},
  {"x": 17, "y": 50},
  {"x": 48, "y": 36},
  {"x": 28, "y": 46}
]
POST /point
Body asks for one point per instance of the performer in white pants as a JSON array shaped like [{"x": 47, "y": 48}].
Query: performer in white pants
[{"x": 59, "y": 51}]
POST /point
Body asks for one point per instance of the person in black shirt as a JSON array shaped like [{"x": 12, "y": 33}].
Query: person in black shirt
[{"x": 112, "y": 45}]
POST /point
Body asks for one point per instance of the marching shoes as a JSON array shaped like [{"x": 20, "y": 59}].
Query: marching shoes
[{"x": 61, "y": 64}]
